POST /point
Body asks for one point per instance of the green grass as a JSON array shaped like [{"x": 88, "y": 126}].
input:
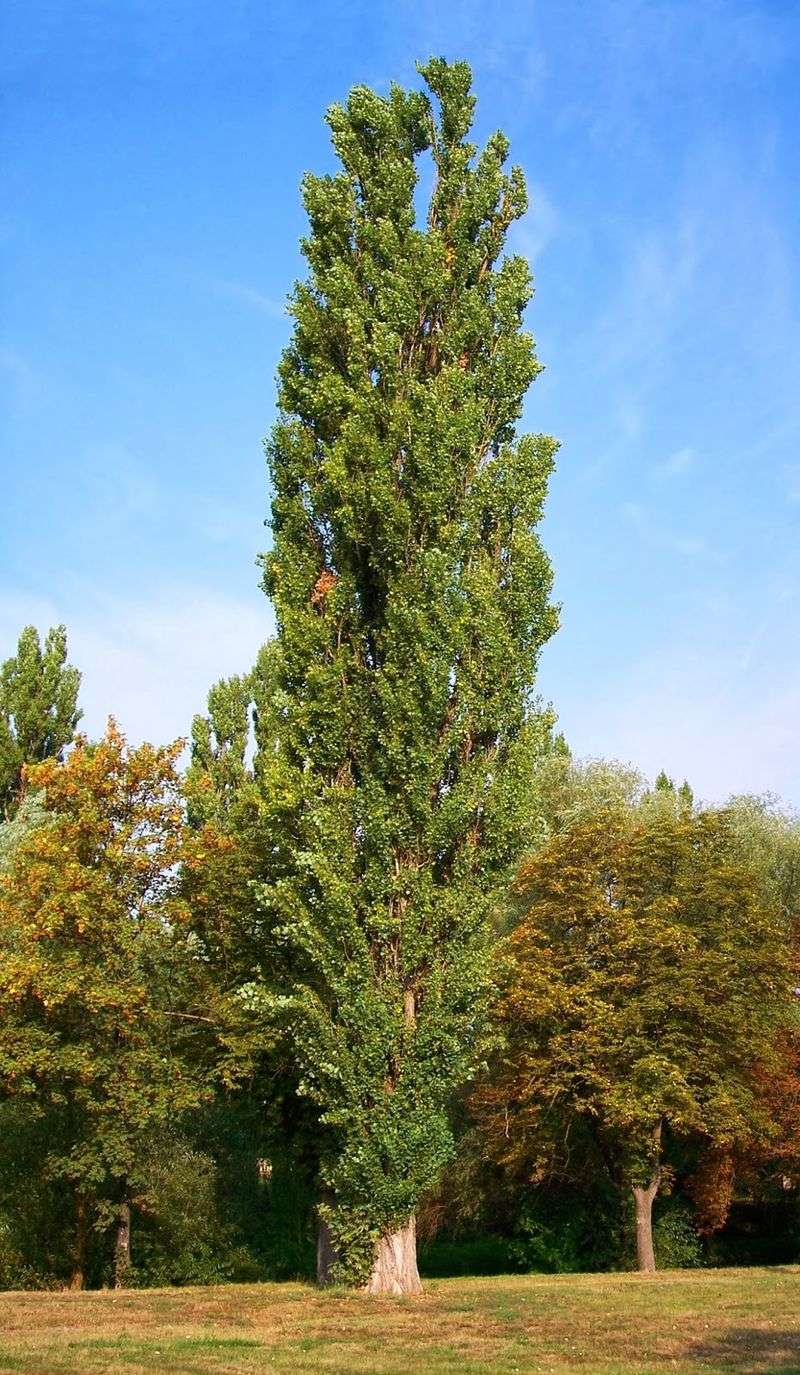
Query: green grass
[{"x": 718, "y": 1322}]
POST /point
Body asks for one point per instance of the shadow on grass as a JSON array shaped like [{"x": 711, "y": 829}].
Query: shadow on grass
[{"x": 751, "y": 1351}]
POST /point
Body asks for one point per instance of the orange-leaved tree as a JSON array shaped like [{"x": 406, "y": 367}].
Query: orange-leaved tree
[
  {"x": 649, "y": 981},
  {"x": 98, "y": 983}
]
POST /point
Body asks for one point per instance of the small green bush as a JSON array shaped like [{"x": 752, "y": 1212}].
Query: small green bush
[{"x": 675, "y": 1240}]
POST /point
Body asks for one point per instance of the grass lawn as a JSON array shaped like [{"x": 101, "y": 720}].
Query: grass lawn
[{"x": 740, "y": 1322}]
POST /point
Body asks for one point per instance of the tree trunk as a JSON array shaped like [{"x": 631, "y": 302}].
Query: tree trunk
[
  {"x": 643, "y": 1195},
  {"x": 122, "y": 1246},
  {"x": 645, "y": 1255},
  {"x": 394, "y": 1268},
  {"x": 326, "y": 1252},
  {"x": 76, "y": 1279}
]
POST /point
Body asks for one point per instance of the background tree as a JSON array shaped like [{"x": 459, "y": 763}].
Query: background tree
[
  {"x": 230, "y": 850},
  {"x": 95, "y": 1007},
  {"x": 649, "y": 986},
  {"x": 412, "y": 599},
  {"x": 38, "y": 707},
  {"x": 218, "y": 782}
]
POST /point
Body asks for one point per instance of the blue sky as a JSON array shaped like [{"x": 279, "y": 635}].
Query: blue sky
[{"x": 152, "y": 152}]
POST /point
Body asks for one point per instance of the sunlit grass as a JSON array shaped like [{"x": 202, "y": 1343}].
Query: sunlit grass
[{"x": 720, "y": 1322}]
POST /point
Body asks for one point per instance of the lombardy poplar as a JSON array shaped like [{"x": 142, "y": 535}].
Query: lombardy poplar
[
  {"x": 38, "y": 707},
  {"x": 411, "y": 596}
]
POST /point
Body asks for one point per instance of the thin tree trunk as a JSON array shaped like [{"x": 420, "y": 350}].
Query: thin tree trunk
[
  {"x": 122, "y": 1246},
  {"x": 394, "y": 1268},
  {"x": 326, "y": 1253},
  {"x": 643, "y": 1198},
  {"x": 78, "y": 1276},
  {"x": 643, "y": 1195}
]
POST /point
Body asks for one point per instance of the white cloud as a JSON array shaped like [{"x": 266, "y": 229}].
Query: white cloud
[
  {"x": 675, "y": 465},
  {"x": 149, "y": 663},
  {"x": 654, "y": 533},
  {"x": 717, "y": 702},
  {"x": 246, "y": 295},
  {"x": 531, "y": 235}
]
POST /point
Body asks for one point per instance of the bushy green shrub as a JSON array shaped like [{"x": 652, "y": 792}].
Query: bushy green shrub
[
  {"x": 675, "y": 1240},
  {"x": 179, "y": 1235},
  {"x": 560, "y": 1232}
]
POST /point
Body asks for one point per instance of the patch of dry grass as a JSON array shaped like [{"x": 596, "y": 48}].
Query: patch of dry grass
[{"x": 723, "y": 1322}]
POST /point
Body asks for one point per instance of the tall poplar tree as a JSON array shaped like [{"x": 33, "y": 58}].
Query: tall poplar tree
[
  {"x": 38, "y": 707},
  {"x": 412, "y": 599}
]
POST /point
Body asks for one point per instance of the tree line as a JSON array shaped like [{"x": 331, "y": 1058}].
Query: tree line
[{"x": 383, "y": 959}]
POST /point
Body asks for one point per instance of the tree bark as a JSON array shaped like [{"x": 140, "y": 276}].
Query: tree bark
[
  {"x": 326, "y": 1253},
  {"x": 122, "y": 1246},
  {"x": 643, "y": 1198},
  {"x": 643, "y": 1195},
  {"x": 394, "y": 1268},
  {"x": 77, "y": 1278}
]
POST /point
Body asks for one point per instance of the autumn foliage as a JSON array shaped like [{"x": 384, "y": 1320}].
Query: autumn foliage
[
  {"x": 648, "y": 992},
  {"x": 92, "y": 1022}
]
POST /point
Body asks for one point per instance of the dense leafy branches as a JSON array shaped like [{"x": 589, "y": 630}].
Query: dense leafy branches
[
  {"x": 94, "y": 1009},
  {"x": 38, "y": 707},
  {"x": 650, "y": 989},
  {"x": 411, "y": 596}
]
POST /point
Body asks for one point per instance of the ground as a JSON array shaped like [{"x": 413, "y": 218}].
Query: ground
[{"x": 719, "y": 1322}]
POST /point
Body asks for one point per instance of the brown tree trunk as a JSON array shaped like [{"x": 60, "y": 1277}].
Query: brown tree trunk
[
  {"x": 643, "y": 1195},
  {"x": 76, "y": 1279},
  {"x": 394, "y": 1268},
  {"x": 122, "y": 1246},
  {"x": 643, "y": 1198}
]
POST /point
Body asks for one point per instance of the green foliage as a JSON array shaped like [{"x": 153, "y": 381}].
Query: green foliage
[
  {"x": 482, "y": 1255},
  {"x": 30, "y": 813},
  {"x": 96, "y": 1019},
  {"x": 218, "y": 780},
  {"x": 38, "y": 707},
  {"x": 412, "y": 599},
  {"x": 182, "y": 1235},
  {"x": 683, "y": 796},
  {"x": 649, "y": 986},
  {"x": 36, "y": 1217},
  {"x": 768, "y": 839},
  {"x": 677, "y": 1245},
  {"x": 561, "y": 1232}
]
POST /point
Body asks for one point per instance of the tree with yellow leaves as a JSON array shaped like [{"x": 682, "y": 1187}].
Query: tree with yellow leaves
[{"x": 97, "y": 1021}]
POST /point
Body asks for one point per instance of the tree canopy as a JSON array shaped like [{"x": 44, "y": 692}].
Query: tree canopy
[
  {"x": 649, "y": 988},
  {"x": 93, "y": 1027}
]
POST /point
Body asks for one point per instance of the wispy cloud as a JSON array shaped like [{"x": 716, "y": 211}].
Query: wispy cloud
[
  {"x": 243, "y": 294},
  {"x": 147, "y": 661},
  {"x": 675, "y": 465},
  {"x": 727, "y": 725},
  {"x": 531, "y": 235},
  {"x": 654, "y": 533}
]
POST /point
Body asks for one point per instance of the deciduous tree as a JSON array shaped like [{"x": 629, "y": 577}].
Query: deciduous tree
[
  {"x": 649, "y": 986},
  {"x": 412, "y": 599},
  {"x": 94, "y": 1007}
]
